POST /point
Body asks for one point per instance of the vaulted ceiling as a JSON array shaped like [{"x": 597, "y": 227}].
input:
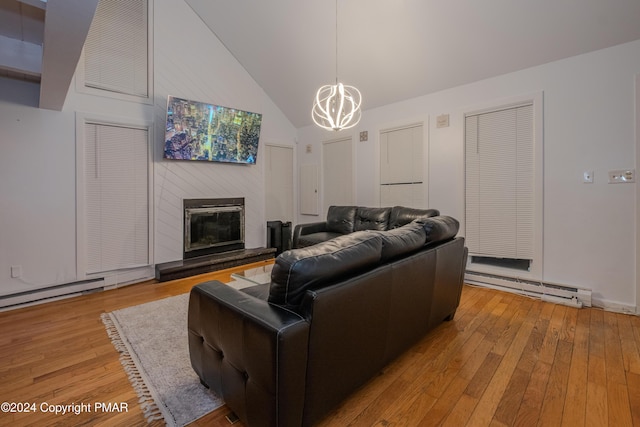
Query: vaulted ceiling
[
  {"x": 393, "y": 50},
  {"x": 389, "y": 49}
]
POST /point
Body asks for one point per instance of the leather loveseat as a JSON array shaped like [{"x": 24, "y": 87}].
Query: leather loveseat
[
  {"x": 286, "y": 353},
  {"x": 347, "y": 219}
]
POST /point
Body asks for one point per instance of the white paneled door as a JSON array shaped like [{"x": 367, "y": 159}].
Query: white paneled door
[
  {"x": 402, "y": 168},
  {"x": 279, "y": 183},
  {"x": 337, "y": 173}
]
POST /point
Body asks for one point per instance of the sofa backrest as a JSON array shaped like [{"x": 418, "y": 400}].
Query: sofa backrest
[
  {"x": 312, "y": 267},
  {"x": 341, "y": 219},
  {"x": 402, "y": 240},
  {"x": 372, "y": 219},
  {"x": 440, "y": 228},
  {"x": 347, "y": 219},
  {"x": 401, "y": 215}
]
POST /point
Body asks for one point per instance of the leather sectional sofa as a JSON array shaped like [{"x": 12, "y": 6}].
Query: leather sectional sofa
[
  {"x": 343, "y": 220},
  {"x": 335, "y": 313}
]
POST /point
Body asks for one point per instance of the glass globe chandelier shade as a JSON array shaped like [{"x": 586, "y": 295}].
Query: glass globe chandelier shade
[{"x": 337, "y": 107}]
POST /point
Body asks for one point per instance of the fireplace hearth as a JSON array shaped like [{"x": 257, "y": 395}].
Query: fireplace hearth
[{"x": 213, "y": 239}]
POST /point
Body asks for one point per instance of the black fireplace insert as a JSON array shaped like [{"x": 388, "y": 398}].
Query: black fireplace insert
[{"x": 213, "y": 226}]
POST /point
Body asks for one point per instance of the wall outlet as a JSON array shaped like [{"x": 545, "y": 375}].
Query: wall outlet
[
  {"x": 622, "y": 176},
  {"x": 587, "y": 177},
  {"x": 16, "y": 271}
]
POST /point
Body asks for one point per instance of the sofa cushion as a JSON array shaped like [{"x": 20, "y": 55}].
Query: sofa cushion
[
  {"x": 372, "y": 219},
  {"x": 402, "y": 240},
  {"x": 401, "y": 215},
  {"x": 440, "y": 228},
  {"x": 299, "y": 270},
  {"x": 341, "y": 219}
]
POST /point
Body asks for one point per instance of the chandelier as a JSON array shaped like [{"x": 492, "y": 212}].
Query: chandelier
[{"x": 337, "y": 107}]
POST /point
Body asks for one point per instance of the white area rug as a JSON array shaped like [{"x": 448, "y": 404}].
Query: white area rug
[{"x": 152, "y": 340}]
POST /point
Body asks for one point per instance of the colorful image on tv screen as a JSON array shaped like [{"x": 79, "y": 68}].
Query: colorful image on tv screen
[{"x": 200, "y": 131}]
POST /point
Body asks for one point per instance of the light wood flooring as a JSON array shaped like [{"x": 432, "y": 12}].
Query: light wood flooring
[{"x": 504, "y": 360}]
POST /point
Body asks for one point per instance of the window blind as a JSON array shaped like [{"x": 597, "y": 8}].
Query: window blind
[
  {"x": 116, "y": 197},
  {"x": 499, "y": 190},
  {"x": 116, "y": 49}
]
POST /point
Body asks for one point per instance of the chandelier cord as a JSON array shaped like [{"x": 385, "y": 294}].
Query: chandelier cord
[{"x": 336, "y": 41}]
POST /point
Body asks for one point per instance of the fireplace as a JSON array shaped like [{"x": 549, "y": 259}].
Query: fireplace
[{"x": 212, "y": 226}]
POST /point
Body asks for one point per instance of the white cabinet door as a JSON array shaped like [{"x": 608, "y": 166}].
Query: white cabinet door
[
  {"x": 279, "y": 183},
  {"x": 412, "y": 195},
  {"x": 402, "y": 167},
  {"x": 337, "y": 173},
  {"x": 309, "y": 189}
]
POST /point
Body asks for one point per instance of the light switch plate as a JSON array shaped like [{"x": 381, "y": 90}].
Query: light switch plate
[{"x": 622, "y": 176}]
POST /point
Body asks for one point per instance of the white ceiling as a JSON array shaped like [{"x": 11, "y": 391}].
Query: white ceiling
[
  {"x": 398, "y": 49},
  {"x": 389, "y": 49}
]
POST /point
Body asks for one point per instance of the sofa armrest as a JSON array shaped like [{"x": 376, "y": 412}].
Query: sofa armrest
[
  {"x": 251, "y": 353},
  {"x": 304, "y": 229}
]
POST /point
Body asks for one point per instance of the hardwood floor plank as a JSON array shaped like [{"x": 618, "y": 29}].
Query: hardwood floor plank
[
  {"x": 576, "y": 397},
  {"x": 630, "y": 349},
  {"x": 512, "y": 397},
  {"x": 484, "y": 412},
  {"x": 531, "y": 404},
  {"x": 548, "y": 351},
  {"x": 633, "y": 384},
  {"x": 613, "y": 350},
  {"x": 462, "y": 412},
  {"x": 443, "y": 406},
  {"x": 618, "y": 405},
  {"x": 597, "y": 408},
  {"x": 553, "y": 405}
]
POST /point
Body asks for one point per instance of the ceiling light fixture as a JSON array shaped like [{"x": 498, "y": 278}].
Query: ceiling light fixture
[{"x": 337, "y": 107}]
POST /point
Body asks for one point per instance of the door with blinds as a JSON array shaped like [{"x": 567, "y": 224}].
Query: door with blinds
[
  {"x": 499, "y": 186},
  {"x": 116, "y": 198}
]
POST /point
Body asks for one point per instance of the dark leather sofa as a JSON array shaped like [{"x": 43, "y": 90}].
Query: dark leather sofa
[
  {"x": 347, "y": 219},
  {"x": 286, "y": 353}
]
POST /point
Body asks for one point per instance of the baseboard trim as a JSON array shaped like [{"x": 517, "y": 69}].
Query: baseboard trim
[{"x": 614, "y": 306}]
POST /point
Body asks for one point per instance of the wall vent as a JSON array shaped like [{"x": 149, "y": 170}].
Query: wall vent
[{"x": 547, "y": 291}]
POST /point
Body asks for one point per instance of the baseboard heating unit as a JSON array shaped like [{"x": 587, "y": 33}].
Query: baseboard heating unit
[
  {"x": 51, "y": 293},
  {"x": 547, "y": 291}
]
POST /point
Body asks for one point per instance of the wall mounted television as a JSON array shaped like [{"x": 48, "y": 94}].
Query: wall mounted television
[{"x": 200, "y": 131}]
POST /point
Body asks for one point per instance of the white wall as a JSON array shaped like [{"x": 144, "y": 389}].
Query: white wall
[
  {"x": 37, "y": 165},
  {"x": 192, "y": 63},
  {"x": 37, "y": 190},
  {"x": 589, "y": 238}
]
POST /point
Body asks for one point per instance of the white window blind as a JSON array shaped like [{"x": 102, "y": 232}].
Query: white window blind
[
  {"x": 499, "y": 174},
  {"x": 116, "y": 50},
  {"x": 116, "y": 197}
]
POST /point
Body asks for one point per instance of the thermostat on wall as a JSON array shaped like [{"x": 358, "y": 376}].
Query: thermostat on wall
[{"x": 442, "y": 121}]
